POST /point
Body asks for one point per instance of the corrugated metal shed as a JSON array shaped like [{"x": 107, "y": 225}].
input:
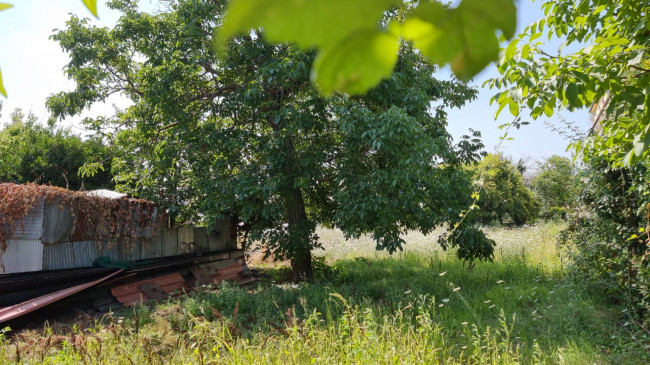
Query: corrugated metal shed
[
  {"x": 151, "y": 248},
  {"x": 22, "y": 255},
  {"x": 68, "y": 255},
  {"x": 185, "y": 239},
  {"x": 103, "y": 193},
  {"x": 33, "y": 224},
  {"x": 58, "y": 223},
  {"x": 169, "y": 238}
]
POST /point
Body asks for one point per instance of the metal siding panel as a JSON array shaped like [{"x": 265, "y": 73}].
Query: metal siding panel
[
  {"x": 33, "y": 224},
  {"x": 169, "y": 241},
  {"x": 58, "y": 223},
  {"x": 58, "y": 256},
  {"x": 85, "y": 253},
  {"x": 152, "y": 248},
  {"x": 111, "y": 252},
  {"x": 22, "y": 256},
  {"x": 219, "y": 236},
  {"x": 128, "y": 250},
  {"x": 201, "y": 239},
  {"x": 186, "y": 240}
]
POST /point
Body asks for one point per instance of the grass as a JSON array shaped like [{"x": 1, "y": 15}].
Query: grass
[{"x": 420, "y": 306}]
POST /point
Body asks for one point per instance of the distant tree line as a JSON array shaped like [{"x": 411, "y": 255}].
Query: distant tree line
[{"x": 51, "y": 155}]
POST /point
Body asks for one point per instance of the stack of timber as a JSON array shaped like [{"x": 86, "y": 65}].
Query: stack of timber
[{"x": 113, "y": 288}]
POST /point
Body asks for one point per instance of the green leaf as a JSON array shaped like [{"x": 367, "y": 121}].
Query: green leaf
[
  {"x": 465, "y": 36},
  {"x": 2, "y": 87},
  {"x": 356, "y": 63},
  {"x": 92, "y": 6},
  {"x": 5, "y": 6},
  {"x": 571, "y": 93},
  {"x": 311, "y": 23}
]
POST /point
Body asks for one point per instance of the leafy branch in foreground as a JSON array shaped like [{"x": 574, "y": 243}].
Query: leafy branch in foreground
[
  {"x": 355, "y": 54},
  {"x": 611, "y": 68}
]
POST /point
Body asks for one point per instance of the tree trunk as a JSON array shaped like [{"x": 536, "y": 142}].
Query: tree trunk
[{"x": 300, "y": 232}]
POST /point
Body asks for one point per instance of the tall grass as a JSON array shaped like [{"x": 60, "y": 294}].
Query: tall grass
[{"x": 421, "y": 306}]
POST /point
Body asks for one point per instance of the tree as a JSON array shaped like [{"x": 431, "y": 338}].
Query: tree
[
  {"x": 30, "y": 152},
  {"x": 556, "y": 184},
  {"x": 504, "y": 193},
  {"x": 612, "y": 66},
  {"x": 248, "y": 135}
]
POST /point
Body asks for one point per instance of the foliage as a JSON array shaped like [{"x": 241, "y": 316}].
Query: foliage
[
  {"x": 248, "y": 135},
  {"x": 99, "y": 219},
  {"x": 611, "y": 67},
  {"x": 504, "y": 193},
  {"x": 611, "y": 239},
  {"x": 517, "y": 310},
  {"x": 35, "y": 153},
  {"x": 556, "y": 185},
  {"x": 355, "y": 55}
]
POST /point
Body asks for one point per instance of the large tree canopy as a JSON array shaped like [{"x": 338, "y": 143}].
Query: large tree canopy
[{"x": 249, "y": 135}]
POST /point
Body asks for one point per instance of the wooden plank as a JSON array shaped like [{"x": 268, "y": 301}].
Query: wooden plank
[
  {"x": 221, "y": 264},
  {"x": 230, "y": 270},
  {"x": 237, "y": 254}
]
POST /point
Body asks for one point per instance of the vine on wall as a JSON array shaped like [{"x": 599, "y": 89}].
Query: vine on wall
[{"x": 96, "y": 218}]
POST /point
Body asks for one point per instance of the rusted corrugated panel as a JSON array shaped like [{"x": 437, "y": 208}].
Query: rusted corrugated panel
[
  {"x": 151, "y": 248},
  {"x": 185, "y": 240},
  {"x": 21, "y": 309},
  {"x": 58, "y": 223},
  {"x": 22, "y": 256},
  {"x": 32, "y": 223},
  {"x": 169, "y": 238},
  {"x": 132, "y": 293},
  {"x": 201, "y": 239}
]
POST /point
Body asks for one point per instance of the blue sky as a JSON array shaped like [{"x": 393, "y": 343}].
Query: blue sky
[{"x": 32, "y": 70}]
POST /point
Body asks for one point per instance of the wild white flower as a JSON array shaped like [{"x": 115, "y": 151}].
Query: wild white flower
[
  {"x": 445, "y": 300},
  {"x": 406, "y": 292},
  {"x": 487, "y": 301},
  {"x": 457, "y": 289},
  {"x": 499, "y": 281},
  {"x": 442, "y": 273},
  {"x": 441, "y": 305}
]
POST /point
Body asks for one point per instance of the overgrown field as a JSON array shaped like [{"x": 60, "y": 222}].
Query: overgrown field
[{"x": 420, "y": 306}]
